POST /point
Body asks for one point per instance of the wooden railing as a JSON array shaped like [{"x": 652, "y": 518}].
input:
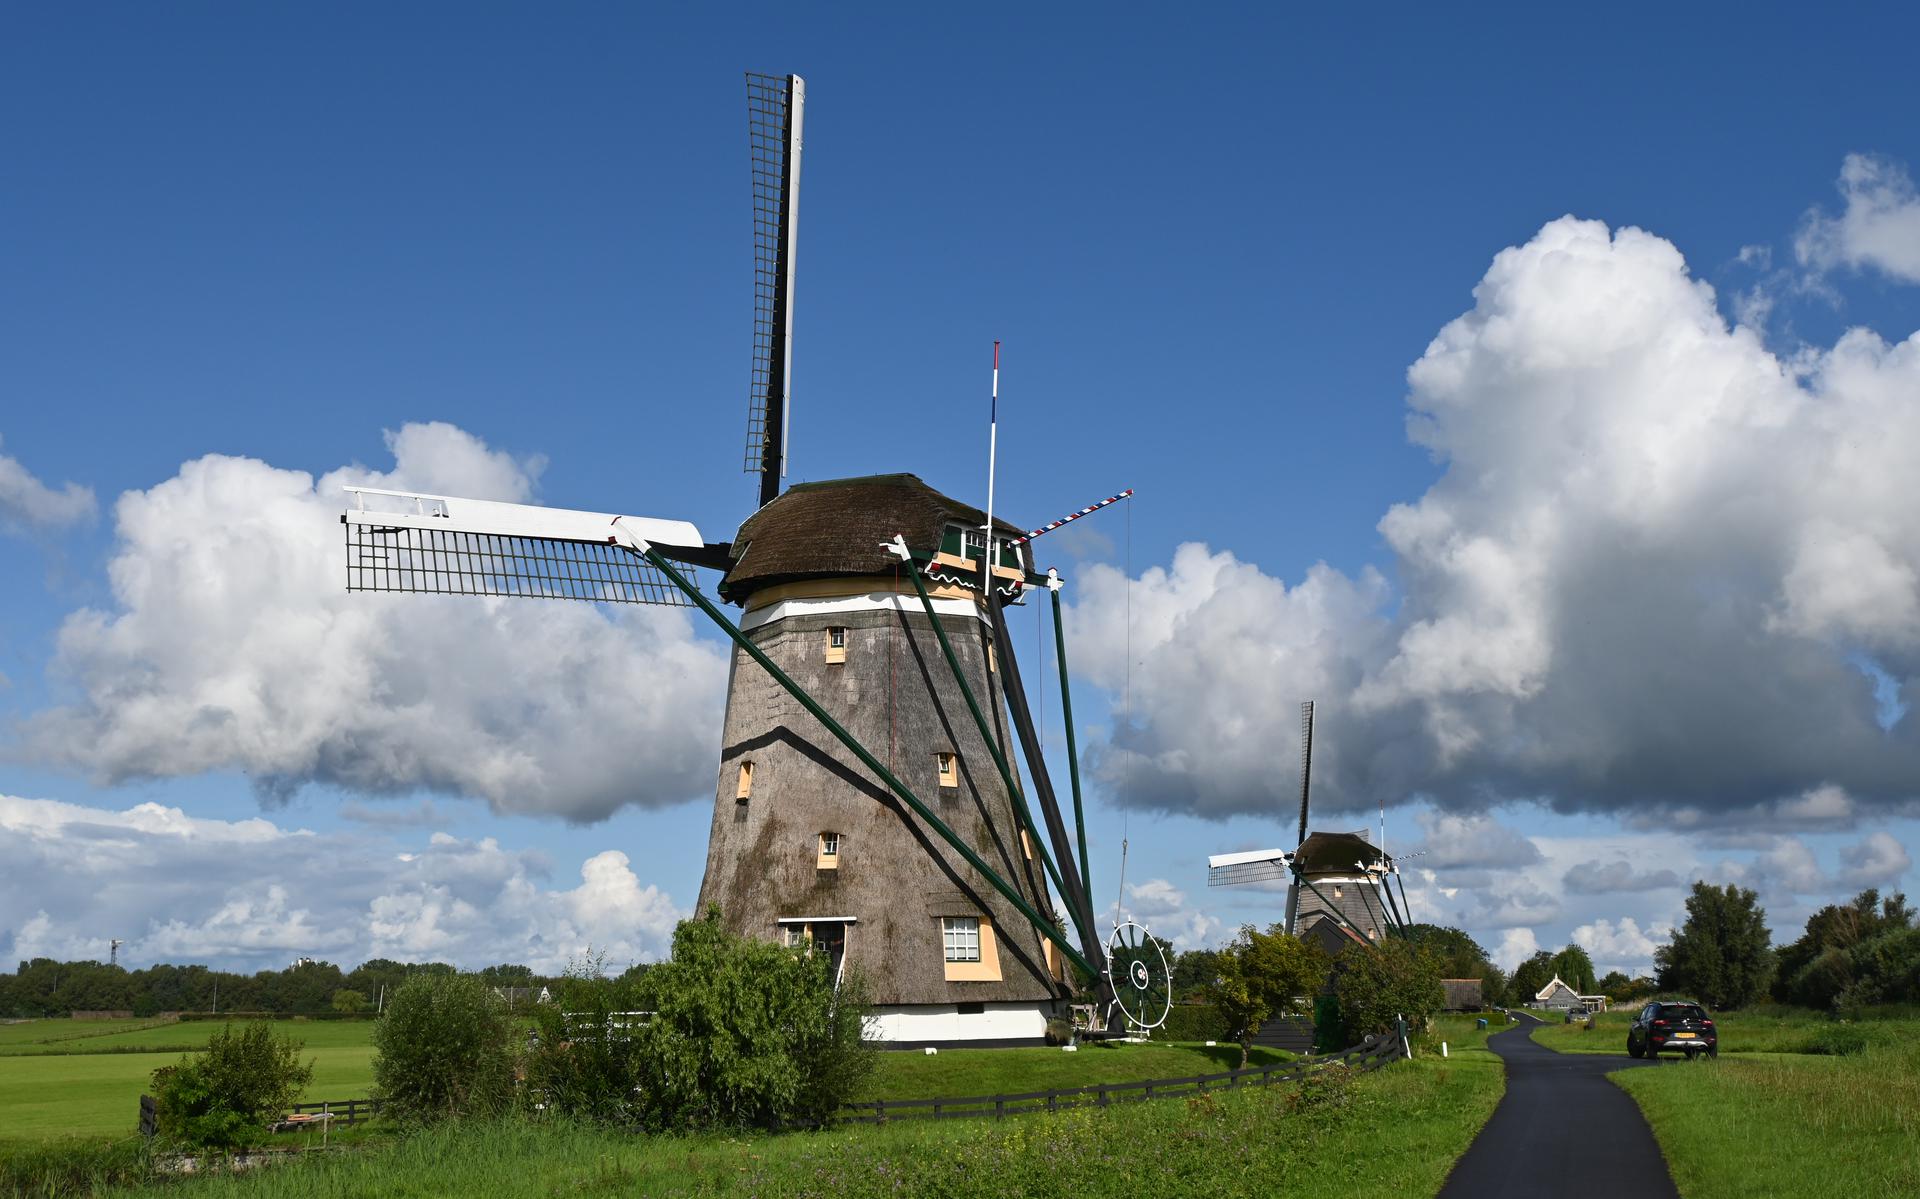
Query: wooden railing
[
  {"x": 1370, "y": 1054},
  {"x": 343, "y": 1111}
]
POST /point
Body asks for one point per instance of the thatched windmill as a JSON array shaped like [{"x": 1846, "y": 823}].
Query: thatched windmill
[
  {"x": 868, "y": 804},
  {"x": 1340, "y": 885}
]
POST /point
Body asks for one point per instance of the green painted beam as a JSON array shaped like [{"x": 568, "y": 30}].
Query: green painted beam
[
  {"x": 1073, "y": 753},
  {"x": 986, "y": 735}
]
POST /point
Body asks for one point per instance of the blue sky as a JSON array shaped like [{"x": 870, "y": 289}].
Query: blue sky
[{"x": 1213, "y": 245}]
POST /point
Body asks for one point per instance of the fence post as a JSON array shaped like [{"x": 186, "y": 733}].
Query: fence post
[
  {"x": 149, "y": 1116},
  {"x": 880, "y": 1111},
  {"x": 999, "y": 1106},
  {"x": 1102, "y": 1101}
]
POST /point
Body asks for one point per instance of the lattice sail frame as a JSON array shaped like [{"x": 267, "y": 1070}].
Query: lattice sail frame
[
  {"x": 776, "y": 105},
  {"x": 443, "y": 545}
]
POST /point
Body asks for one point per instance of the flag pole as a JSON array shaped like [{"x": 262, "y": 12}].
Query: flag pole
[{"x": 993, "y": 447}]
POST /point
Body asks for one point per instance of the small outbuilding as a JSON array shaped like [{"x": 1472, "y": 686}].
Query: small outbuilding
[{"x": 1463, "y": 994}]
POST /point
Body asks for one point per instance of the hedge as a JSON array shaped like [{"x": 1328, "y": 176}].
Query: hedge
[{"x": 1194, "y": 1022}]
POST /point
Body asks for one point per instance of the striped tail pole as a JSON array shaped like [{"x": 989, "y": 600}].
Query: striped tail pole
[{"x": 1071, "y": 517}]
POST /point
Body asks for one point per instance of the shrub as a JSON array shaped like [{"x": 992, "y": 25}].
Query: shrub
[
  {"x": 347, "y": 1001},
  {"x": 444, "y": 1048},
  {"x": 584, "y": 1064},
  {"x": 1375, "y": 983},
  {"x": 224, "y": 1096},
  {"x": 746, "y": 1033}
]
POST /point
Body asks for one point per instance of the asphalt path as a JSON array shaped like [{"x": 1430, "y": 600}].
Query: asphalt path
[{"x": 1562, "y": 1130}]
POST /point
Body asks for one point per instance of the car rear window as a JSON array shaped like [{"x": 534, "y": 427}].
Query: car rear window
[{"x": 1682, "y": 1011}]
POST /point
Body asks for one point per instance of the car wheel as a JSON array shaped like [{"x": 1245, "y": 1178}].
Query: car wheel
[
  {"x": 1631, "y": 1051},
  {"x": 1714, "y": 1052}
]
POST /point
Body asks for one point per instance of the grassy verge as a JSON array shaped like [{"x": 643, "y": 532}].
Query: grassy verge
[
  {"x": 1397, "y": 1131},
  {"x": 1789, "y": 1125},
  {"x": 1799, "y": 1104}
]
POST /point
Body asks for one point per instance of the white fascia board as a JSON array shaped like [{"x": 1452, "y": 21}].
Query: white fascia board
[
  {"x": 818, "y": 920},
  {"x": 1240, "y": 859},
  {"x": 454, "y": 514},
  {"x": 875, "y": 601}
]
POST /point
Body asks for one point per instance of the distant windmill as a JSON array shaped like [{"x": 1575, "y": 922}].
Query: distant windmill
[
  {"x": 868, "y": 806},
  {"x": 113, "y": 951},
  {"x": 1341, "y": 883}
]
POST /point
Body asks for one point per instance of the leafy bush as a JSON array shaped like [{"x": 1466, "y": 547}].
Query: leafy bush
[
  {"x": 1194, "y": 1022},
  {"x": 746, "y": 1033},
  {"x": 1838, "y": 1040},
  {"x": 585, "y": 1061},
  {"x": 444, "y": 1048},
  {"x": 224, "y": 1096},
  {"x": 1375, "y": 983}
]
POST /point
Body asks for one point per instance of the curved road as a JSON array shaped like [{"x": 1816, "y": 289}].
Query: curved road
[{"x": 1561, "y": 1129}]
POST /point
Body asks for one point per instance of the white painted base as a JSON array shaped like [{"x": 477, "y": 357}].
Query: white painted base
[{"x": 915, "y": 1023}]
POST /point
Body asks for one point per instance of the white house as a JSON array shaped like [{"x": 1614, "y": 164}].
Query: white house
[{"x": 1556, "y": 996}]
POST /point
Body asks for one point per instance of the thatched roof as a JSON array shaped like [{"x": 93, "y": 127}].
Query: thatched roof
[
  {"x": 836, "y": 527},
  {"x": 1335, "y": 852}
]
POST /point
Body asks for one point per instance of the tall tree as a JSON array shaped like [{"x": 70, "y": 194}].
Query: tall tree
[
  {"x": 1722, "y": 955},
  {"x": 1814, "y": 969},
  {"x": 1575, "y": 969},
  {"x": 1260, "y": 975},
  {"x": 1529, "y": 976}
]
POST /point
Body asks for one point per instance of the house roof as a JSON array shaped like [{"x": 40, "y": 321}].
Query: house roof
[
  {"x": 836, "y": 527},
  {"x": 1547, "y": 992}
]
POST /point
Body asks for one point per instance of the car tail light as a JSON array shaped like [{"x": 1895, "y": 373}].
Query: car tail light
[
  {"x": 1659, "y": 1023},
  {"x": 1708, "y": 1023}
]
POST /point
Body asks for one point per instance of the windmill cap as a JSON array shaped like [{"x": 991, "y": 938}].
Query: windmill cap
[
  {"x": 1336, "y": 851},
  {"x": 836, "y": 528}
]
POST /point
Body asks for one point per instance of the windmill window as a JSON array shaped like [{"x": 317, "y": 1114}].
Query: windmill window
[
  {"x": 961, "y": 935},
  {"x": 837, "y": 644},
  {"x": 949, "y": 771},
  {"x": 829, "y": 856},
  {"x": 743, "y": 790}
]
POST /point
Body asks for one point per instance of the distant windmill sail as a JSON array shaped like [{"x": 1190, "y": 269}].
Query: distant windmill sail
[{"x": 775, "y": 107}]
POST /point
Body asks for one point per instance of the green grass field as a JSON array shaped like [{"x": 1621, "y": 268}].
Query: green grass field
[
  {"x": 1798, "y": 1104},
  {"x": 54, "y": 1089},
  {"x": 148, "y": 1036},
  {"x": 1764, "y": 1029},
  {"x": 1394, "y": 1132}
]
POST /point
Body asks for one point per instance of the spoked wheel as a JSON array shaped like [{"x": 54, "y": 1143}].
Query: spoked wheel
[{"x": 1142, "y": 981}]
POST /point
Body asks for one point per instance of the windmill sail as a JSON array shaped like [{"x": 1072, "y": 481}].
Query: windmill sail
[
  {"x": 775, "y": 106},
  {"x": 444, "y": 545}
]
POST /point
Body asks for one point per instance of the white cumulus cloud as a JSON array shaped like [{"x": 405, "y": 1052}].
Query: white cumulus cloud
[
  {"x": 250, "y": 894},
  {"x": 232, "y": 644},
  {"x": 1644, "y": 581},
  {"x": 28, "y": 505},
  {"x": 1878, "y": 228}
]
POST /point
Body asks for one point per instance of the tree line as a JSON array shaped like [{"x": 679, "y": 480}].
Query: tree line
[{"x": 44, "y": 987}]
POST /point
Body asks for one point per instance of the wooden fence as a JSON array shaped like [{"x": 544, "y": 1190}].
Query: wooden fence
[
  {"x": 1370, "y": 1054},
  {"x": 343, "y": 1111}
]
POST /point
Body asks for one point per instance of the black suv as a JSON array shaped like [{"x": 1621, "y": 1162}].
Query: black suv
[{"x": 1677, "y": 1027}]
